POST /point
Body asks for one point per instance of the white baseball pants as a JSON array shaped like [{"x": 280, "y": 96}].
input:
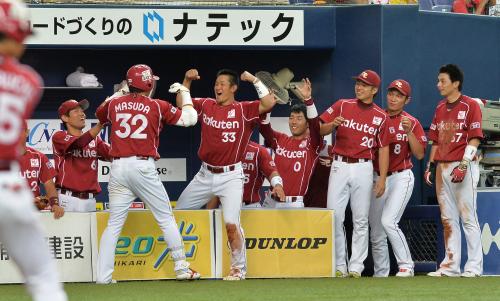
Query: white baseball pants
[
  {"x": 290, "y": 202},
  {"x": 22, "y": 235},
  {"x": 352, "y": 181},
  {"x": 385, "y": 213},
  {"x": 457, "y": 201},
  {"x": 228, "y": 186},
  {"x": 131, "y": 178},
  {"x": 73, "y": 204}
]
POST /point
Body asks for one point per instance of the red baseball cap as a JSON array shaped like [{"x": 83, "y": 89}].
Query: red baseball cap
[
  {"x": 369, "y": 77},
  {"x": 70, "y": 104},
  {"x": 402, "y": 86}
]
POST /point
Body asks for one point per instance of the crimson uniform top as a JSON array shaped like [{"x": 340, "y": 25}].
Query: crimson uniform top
[
  {"x": 399, "y": 149},
  {"x": 36, "y": 168},
  {"x": 453, "y": 126},
  {"x": 317, "y": 193},
  {"x": 77, "y": 166},
  {"x": 225, "y": 130},
  {"x": 363, "y": 130},
  {"x": 257, "y": 164},
  {"x": 136, "y": 123},
  {"x": 19, "y": 95},
  {"x": 295, "y": 159}
]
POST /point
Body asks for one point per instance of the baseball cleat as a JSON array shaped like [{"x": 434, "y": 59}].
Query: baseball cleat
[
  {"x": 440, "y": 273},
  {"x": 340, "y": 274},
  {"x": 469, "y": 274},
  {"x": 188, "y": 274},
  {"x": 234, "y": 275},
  {"x": 113, "y": 281},
  {"x": 404, "y": 273},
  {"x": 354, "y": 275}
]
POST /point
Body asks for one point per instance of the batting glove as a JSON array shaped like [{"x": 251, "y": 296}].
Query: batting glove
[
  {"x": 177, "y": 88},
  {"x": 430, "y": 173},
  {"x": 458, "y": 173}
]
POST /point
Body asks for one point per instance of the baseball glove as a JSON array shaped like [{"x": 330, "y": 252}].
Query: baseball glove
[{"x": 41, "y": 202}]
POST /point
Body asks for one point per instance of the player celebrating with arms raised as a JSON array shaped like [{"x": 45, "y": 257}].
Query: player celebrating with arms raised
[
  {"x": 407, "y": 139},
  {"x": 361, "y": 128},
  {"x": 226, "y": 126},
  {"x": 456, "y": 132}
]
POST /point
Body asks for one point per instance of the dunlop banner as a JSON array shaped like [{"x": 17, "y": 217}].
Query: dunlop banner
[
  {"x": 142, "y": 253},
  {"x": 283, "y": 243}
]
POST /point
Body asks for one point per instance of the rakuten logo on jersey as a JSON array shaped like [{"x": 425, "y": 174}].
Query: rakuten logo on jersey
[
  {"x": 450, "y": 126},
  {"x": 18, "y": 83},
  {"x": 280, "y": 151},
  {"x": 248, "y": 166},
  {"x": 220, "y": 124},
  {"x": 85, "y": 153},
  {"x": 360, "y": 127},
  {"x": 29, "y": 174}
]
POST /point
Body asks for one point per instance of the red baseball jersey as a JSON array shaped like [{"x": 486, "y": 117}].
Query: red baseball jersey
[
  {"x": 317, "y": 193},
  {"x": 363, "y": 130},
  {"x": 295, "y": 159},
  {"x": 77, "y": 167},
  {"x": 399, "y": 149},
  {"x": 36, "y": 168},
  {"x": 225, "y": 130},
  {"x": 19, "y": 94},
  {"x": 257, "y": 165},
  {"x": 136, "y": 122},
  {"x": 453, "y": 126}
]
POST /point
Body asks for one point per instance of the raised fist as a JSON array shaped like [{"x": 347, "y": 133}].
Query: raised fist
[
  {"x": 192, "y": 74},
  {"x": 177, "y": 88},
  {"x": 247, "y": 77},
  {"x": 406, "y": 124}
]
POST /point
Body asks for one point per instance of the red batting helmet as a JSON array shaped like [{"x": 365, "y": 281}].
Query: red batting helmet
[
  {"x": 141, "y": 77},
  {"x": 14, "y": 20}
]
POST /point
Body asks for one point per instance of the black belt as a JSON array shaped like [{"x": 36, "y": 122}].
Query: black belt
[
  {"x": 349, "y": 159},
  {"x": 80, "y": 195},
  {"x": 137, "y": 157}
]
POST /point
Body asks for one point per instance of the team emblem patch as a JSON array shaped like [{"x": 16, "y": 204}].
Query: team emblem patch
[
  {"x": 92, "y": 143},
  {"x": 303, "y": 144},
  {"x": 329, "y": 110},
  {"x": 423, "y": 138},
  {"x": 392, "y": 130},
  {"x": 461, "y": 115},
  {"x": 34, "y": 163},
  {"x": 475, "y": 125},
  {"x": 231, "y": 114},
  {"x": 400, "y": 126},
  {"x": 173, "y": 110},
  {"x": 271, "y": 163},
  {"x": 433, "y": 126},
  {"x": 377, "y": 120},
  {"x": 146, "y": 75},
  {"x": 249, "y": 156},
  {"x": 49, "y": 165},
  {"x": 67, "y": 138},
  {"x": 364, "y": 75}
]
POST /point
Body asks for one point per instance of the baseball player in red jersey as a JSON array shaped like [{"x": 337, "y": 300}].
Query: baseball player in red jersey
[
  {"x": 20, "y": 230},
  {"x": 226, "y": 126},
  {"x": 295, "y": 155},
  {"x": 257, "y": 164},
  {"x": 407, "y": 139},
  {"x": 36, "y": 168},
  {"x": 361, "y": 128},
  {"x": 136, "y": 122},
  {"x": 76, "y": 155},
  {"x": 317, "y": 193},
  {"x": 455, "y": 133}
]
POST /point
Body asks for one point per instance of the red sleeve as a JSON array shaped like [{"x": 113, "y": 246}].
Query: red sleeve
[
  {"x": 269, "y": 135},
  {"x": 383, "y": 136},
  {"x": 474, "y": 121},
  {"x": 103, "y": 149},
  {"x": 62, "y": 141},
  {"x": 102, "y": 112},
  {"x": 197, "y": 104},
  {"x": 47, "y": 170},
  {"x": 419, "y": 133},
  {"x": 316, "y": 138},
  {"x": 433, "y": 132},
  {"x": 169, "y": 113},
  {"x": 251, "y": 109},
  {"x": 331, "y": 113},
  {"x": 266, "y": 162}
]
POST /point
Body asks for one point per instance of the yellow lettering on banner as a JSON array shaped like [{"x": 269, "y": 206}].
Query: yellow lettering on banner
[{"x": 279, "y": 246}]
